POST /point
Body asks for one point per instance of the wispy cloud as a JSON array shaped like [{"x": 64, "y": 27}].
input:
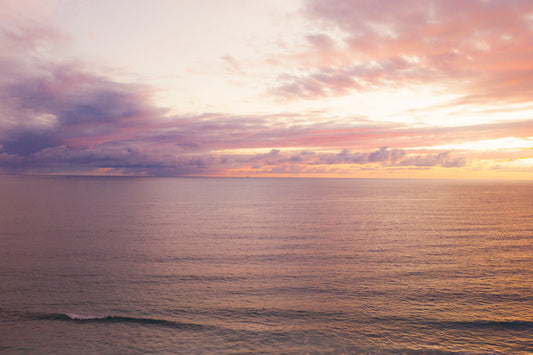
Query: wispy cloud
[
  {"x": 480, "y": 49},
  {"x": 335, "y": 81}
]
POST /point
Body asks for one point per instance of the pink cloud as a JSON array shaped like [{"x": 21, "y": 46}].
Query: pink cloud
[
  {"x": 321, "y": 41},
  {"x": 484, "y": 46}
]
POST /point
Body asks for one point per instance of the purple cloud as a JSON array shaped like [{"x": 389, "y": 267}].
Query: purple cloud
[{"x": 279, "y": 162}]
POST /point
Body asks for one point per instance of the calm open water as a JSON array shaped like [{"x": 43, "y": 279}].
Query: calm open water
[{"x": 223, "y": 265}]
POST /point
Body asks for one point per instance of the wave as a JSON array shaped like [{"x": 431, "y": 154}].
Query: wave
[
  {"x": 83, "y": 317},
  {"x": 246, "y": 314},
  {"x": 108, "y": 319}
]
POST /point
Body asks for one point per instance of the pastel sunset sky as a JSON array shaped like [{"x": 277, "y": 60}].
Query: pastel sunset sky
[{"x": 311, "y": 88}]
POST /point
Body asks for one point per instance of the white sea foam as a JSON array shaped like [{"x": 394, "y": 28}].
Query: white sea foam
[{"x": 83, "y": 316}]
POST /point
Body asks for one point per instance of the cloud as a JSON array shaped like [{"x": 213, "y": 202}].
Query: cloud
[
  {"x": 231, "y": 64},
  {"x": 126, "y": 158},
  {"x": 479, "y": 49},
  {"x": 308, "y": 161},
  {"x": 60, "y": 116},
  {"x": 321, "y": 41},
  {"x": 392, "y": 157},
  {"x": 334, "y": 81},
  {"x": 444, "y": 159}
]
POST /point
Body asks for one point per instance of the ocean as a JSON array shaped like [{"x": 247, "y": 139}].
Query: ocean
[{"x": 109, "y": 265}]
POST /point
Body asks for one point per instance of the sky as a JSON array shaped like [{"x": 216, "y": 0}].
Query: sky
[{"x": 310, "y": 88}]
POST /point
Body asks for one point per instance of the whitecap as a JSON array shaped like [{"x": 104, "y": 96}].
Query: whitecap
[{"x": 83, "y": 316}]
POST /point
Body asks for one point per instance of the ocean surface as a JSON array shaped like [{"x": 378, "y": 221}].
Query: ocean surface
[{"x": 110, "y": 265}]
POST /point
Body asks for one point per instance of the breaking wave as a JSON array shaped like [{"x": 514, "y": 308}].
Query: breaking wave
[{"x": 90, "y": 318}]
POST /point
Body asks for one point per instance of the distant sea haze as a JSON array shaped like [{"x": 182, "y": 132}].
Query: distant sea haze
[{"x": 235, "y": 265}]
